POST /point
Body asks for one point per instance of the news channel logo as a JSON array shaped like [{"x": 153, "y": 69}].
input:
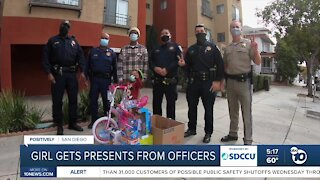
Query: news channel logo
[
  {"x": 238, "y": 156},
  {"x": 299, "y": 156}
]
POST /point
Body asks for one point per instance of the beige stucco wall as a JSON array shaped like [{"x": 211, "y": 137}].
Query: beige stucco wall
[
  {"x": 192, "y": 11},
  {"x": 149, "y": 12},
  {"x": 91, "y": 12}
]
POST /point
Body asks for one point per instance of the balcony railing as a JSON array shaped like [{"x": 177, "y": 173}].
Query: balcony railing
[
  {"x": 268, "y": 70},
  {"x": 116, "y": 19},
  {"x": 66, "y": 4}
]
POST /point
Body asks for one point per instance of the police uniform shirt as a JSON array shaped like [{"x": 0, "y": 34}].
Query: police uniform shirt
[
  {"x": 102, "y": 61},
  {"x": 209, "y": 54},
  {"x": 165, "y": 56},
  {"x": 238, "y": 56},
  {"x": 64, "y": 52}
]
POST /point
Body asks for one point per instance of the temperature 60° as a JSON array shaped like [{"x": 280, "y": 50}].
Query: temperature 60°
[{"x": 272, "y": 160}]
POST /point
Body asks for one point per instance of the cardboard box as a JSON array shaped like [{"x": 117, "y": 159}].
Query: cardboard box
[{"x": 167, "y": 131}]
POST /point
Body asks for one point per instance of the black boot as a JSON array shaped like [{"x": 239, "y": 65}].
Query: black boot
[
  {"x": 206, "y": 138},
  {"x": 90, "y": 125},
  {"x": 75, "y": 127},
  {"x": 60, "y": 130},
  {"x": 189, "y": 133},
  {"x": 228, "y": 138}
]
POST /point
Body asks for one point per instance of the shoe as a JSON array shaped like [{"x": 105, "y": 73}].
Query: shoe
[
  {"x": 189, "y": 133},
  {"x": 90, "y": 125},
  {"x": 228, "y": 138},
  {"x": 206, "y": 138},
  {"x": 60, "y": 130},
  {"x": 75, "y": 127}
]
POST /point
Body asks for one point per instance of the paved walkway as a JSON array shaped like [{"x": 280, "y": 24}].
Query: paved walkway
[{"x": 279, "y": 118}]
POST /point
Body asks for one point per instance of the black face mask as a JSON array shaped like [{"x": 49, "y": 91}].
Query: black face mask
[
  {"x": 201, "y": 37},
  {"x": 165, "y": 38},
  {"x": 64, "y": 29}
]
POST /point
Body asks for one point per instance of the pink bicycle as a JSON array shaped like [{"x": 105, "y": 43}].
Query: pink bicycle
[{"x": 104, "y": 126}]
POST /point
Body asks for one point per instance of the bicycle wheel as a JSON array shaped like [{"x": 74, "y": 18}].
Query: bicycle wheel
[{"x": 100, "y": 130}]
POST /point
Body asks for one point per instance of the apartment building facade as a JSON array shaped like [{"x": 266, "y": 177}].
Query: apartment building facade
[{"x": 26, "y": 25}]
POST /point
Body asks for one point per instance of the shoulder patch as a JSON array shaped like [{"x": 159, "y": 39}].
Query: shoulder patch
[{"x": 180, "y": 48}]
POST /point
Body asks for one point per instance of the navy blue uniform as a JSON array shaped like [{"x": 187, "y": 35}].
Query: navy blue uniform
[
  {"x": 61, "y": 57},
  {"x": 204, "y": 65},
  {"x": 165, "y": 56},
  {"x": 101, "y": 70}
]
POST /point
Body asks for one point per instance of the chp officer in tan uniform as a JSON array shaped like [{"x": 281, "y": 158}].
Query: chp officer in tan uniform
[{"x": 237, "y": 60}]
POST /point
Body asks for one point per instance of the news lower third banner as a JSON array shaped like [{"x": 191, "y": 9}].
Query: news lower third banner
[{"x": 176, "y": 161}]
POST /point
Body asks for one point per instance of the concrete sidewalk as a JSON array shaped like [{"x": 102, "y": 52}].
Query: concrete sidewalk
[{"x": 279, "y": 117}]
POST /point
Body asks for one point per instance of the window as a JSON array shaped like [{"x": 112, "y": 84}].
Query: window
[
  {"x": 164, "y": 4},
  {"x": 148, "y": 5},
  {"x": 116, "y": 12},
  {"x": 235, "y": 13},
  {"x": 63, "y": 4},
  {"x": 221, "y": 37},
  {"x": 206, "y": 10},
  {"x": 209, "y": 35},
  {"x": 220, "y": 9}
]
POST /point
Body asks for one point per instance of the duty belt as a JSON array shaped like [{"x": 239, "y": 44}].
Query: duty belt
[
  {"x": 238, "y": 77},
  {"x": 165, "y": 80},
  {"x": 61, "y": 69},
  {"x": 202, "y": 75},
  {"x": 101, "y": 75}
]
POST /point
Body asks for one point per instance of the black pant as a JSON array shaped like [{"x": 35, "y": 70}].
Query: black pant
[
  {"x": 99, "y": 86},
  {"x": 170, "y": 91},
  {"x": 67, "y": 81},
  {"x": 194, "y": 91}
]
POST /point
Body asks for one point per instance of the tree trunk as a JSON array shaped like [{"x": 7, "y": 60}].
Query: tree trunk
[
  {"x": 309, "y": 74},
  {"x": 310, "y": 64}
]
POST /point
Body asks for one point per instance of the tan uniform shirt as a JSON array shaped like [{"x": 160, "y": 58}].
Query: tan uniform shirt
[{"x": 237, "y": 57}]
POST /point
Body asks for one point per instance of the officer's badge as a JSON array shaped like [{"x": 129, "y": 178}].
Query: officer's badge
[
  {"x": 95, "y": 55},
  {"x": 171, "y": 48},
  {"x": 55, "y": 43},
  {"x": 208, "y": 48},
  {"x": 108, "y": 53},
  {"x": 243, "y": 45},
  {"x": 73, "y": 43}
]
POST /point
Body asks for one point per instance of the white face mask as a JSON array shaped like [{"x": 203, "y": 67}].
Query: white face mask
[
  {"x": 236, "y": 31},
  {"x": 134, "y": 37}
]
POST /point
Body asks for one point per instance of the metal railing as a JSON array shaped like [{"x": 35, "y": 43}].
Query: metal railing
[
  {"x": 116, "y": 19},
  {"x": 268, "y": 70}
]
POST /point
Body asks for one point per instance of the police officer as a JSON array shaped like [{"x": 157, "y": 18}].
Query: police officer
[
  {"x": 61, "y": 56},
  {"x": 205, "y": 71},
  {"x": 237, "y": 59},
  {"x": 102, "y": 69},
  {"x": 164, "y": 64}
]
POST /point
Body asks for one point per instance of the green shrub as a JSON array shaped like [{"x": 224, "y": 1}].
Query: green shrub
[
  {"x": 16, "y": 114},
  {"x": 84, "y": 105},
  {"x": 259, "y": 82}
]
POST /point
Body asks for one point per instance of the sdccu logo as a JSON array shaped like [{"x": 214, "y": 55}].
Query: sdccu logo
[
  {"x": 298, "y": 156},
  {"x": 238, "y": 156}
]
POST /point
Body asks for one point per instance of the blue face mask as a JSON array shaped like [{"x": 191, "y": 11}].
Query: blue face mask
[
  {"x": 134, "y": 37},
  {"x": 236, "y": 31},
  {"x": 104, "y": 42}
]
